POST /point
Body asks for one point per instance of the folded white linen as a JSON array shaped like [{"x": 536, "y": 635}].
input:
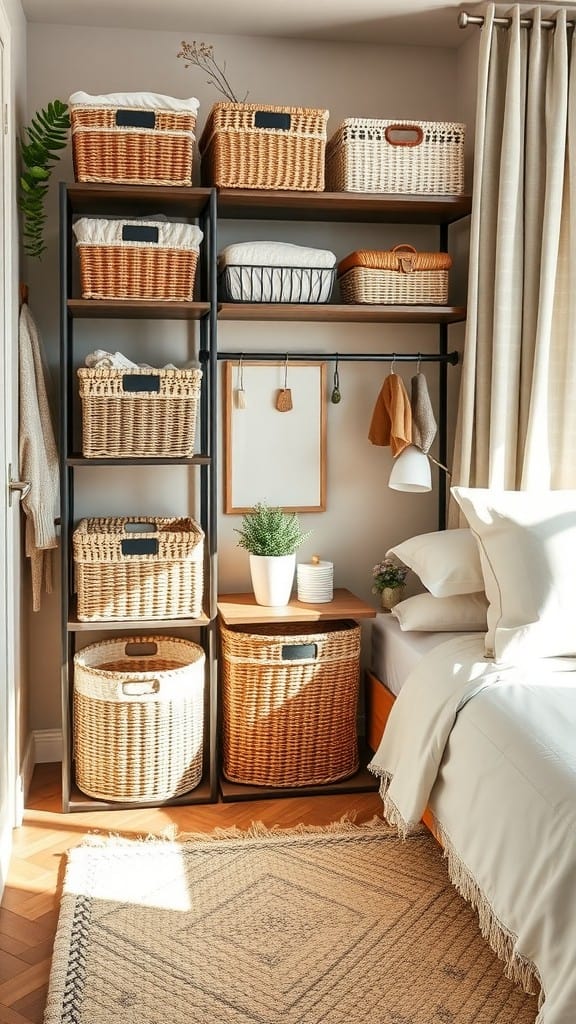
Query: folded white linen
[
  {"x": 101, "y": 360},
  {"x": 274, "y": 254},
  {"x": 138, "y": 100},
  {"x": 108, "y": 231}
]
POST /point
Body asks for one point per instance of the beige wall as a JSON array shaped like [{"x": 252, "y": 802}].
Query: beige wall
[{"x": 363, "y": 516}]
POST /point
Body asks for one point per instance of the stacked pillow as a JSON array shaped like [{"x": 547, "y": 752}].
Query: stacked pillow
[{"x": 448, "y": 565}]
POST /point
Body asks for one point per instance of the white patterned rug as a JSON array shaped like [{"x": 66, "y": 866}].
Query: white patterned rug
[{"x": 345, "y": 925}]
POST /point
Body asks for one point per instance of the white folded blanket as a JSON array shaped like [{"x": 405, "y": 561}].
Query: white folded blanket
[
  {"x": 108, "y": 231},
  {"x": 274, "y": 254},
  {"x": 137, "y": 100},
  {"x": 101, "y": 360}
]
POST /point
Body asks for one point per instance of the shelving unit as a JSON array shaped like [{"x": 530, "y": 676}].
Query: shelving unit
[
  {"x": 207, "y": 207},
  {"x": 192, "y": 205}
]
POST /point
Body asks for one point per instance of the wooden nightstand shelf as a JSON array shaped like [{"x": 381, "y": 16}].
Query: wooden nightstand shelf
[{"x": 242, "y": 610}]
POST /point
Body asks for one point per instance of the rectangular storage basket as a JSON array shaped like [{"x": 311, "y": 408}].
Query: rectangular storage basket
[
  {"x": 138, "y": 568},
  {"x": 139, "y": 718},
  {"x": 290, "y": 703},
  {"x": 245, "y": 145},
  {"x": 133, "y": 138},
  {"x": 276, "y": 284},
  {"x": 400, "y": 276},
  {"x": 402, "y": 157},
  {"x": 137, "y": 259},
  {"x": 138, "y": 413}
]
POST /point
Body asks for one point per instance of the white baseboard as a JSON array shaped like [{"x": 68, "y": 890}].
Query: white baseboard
[
  {"x": 47, "y": 745},
  {"x": 24, "y": 779}
]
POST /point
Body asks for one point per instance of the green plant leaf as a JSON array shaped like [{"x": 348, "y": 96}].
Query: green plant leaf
[{"x": 40, "y": 146}]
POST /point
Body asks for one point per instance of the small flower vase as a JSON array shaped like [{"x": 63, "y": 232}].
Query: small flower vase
[{"x": 391, "y": 596}]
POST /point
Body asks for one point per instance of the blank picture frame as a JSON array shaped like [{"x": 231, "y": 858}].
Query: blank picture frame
[{"x": 270, "y": 456}]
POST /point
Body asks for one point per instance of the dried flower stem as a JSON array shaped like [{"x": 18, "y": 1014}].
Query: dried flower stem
[{"x": 201, "y": 55}]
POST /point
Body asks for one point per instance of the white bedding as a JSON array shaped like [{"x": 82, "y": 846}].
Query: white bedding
[
  {"x": 491, "y": 750},
  {"x": 396, "y": 652}
]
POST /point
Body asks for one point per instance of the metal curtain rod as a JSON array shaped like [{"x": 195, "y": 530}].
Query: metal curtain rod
[
  {"x": 342, "y": 357},
  {"x": 465, "y": 19}
]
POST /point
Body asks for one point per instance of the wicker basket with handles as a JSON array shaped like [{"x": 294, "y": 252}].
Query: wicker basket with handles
[
  {"x": 401, "y": 276},
  {"x": 398, "y": 157},
  {"x": 138, "y": 568},
  {"x": 137, "y": 138},
  {"x": 139, "y": 718},
  {"x": 246, "y": 145},
  {"x": 138, "y": 413},
  {"x": 290, "y": 703},
  {"x": 139, "y": 258}
]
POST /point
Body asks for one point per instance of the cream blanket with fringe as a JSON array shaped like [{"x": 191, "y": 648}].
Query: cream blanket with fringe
[{"x": 491, "y": 749}]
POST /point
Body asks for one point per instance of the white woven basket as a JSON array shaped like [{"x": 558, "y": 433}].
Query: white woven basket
[{"x": 398, "y": 157}]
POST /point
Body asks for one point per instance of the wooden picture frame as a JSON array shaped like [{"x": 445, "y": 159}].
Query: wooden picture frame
[{"x": 272, "y": 456}]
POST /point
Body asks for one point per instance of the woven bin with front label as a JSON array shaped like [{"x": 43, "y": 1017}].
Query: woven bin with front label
[
  {"x": 290, "y": 703},
  {"x": 138, "y": 718},
  {"x": 138, "y": 413},
  {"x": 139, "y": 258},
  {"x": 138, "y": 568},
  {"x": 397, "y": 157},
  {"x": 400, "y": 276},
  {"x": 247, "y": 145},
  {"x": 136, "y": 138}
]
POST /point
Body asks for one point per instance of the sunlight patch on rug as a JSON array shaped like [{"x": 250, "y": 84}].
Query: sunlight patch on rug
[{"x": 344, "y": 925}]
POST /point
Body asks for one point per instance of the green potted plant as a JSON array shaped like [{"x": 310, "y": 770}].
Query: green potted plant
[
  {"x": 40, "y": 150},
  {"x": 272, "y": 537},
  {"x": 388, "y": 580}
]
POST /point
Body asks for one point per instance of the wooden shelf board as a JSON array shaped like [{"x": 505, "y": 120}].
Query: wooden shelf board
[
  {"x": 241, "y": 609},
  {"x": 342, "y": 206},
  {"x": 338, "y": 313},
  {"x": 95, "y": 197},
  {"x": 202, "y": 794},
  {"x": 362, "y": 782},
  {"x": 79, "y": 460},
  {"x": 136, "y": 309},
  {"x": 116, "y": 625}
]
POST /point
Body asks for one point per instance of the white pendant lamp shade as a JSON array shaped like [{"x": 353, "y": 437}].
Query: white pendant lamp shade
[{"x": 411, "y": 471}]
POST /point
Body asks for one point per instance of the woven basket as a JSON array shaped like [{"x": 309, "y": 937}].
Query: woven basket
[
  {"x": 138, "y": 413},
  {"x": 289, "y": 703},
  {"x": 139, "y": 718},
  {"x": 401, "y": 276},
  {"x": 133, "y": 138},
  {"x": 367, "y": 155},
  {"x": 125, "y": 570},
  {"x": 244, "y": 145},
  {"x": 137, "y": 259}
]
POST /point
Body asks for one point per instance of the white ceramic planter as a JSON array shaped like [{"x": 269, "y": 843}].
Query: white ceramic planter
[{"x": 272, "y": 578}]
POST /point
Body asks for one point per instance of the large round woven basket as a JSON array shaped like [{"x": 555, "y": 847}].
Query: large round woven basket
[
  {"x": 139, "y": 718},
  {"x": 289, "y": 703}
]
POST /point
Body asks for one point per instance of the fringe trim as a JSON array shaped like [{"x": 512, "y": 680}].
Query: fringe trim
[
  {"x": 346, "y": 825},
  {"x": 390, "y": 811},
  {"x": 502, "y": 941}
]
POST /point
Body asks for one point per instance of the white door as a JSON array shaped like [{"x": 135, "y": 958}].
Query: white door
[{"x": 8, "y": 515}]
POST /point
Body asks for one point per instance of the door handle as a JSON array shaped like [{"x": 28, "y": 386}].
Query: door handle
[{"x": 17, "y": 485}]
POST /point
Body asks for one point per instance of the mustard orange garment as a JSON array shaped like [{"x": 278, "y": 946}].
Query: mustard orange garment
[{"x": 392, "y": 417}]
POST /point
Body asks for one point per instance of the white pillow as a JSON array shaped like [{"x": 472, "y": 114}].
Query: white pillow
[
  {"x": 527, "y": 543},
  {"x": 446, "y": 562},
  {"x": 461, "y": 613}
]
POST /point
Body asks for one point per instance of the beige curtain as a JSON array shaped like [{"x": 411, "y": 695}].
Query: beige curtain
[{"x": 517, "y": 414}]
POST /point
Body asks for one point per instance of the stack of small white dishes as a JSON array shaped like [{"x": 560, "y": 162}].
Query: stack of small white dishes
[{"x": 315, "y": 581}]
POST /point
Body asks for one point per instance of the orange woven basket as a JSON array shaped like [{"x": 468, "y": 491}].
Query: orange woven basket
[
  {"x": 245, "y": 145},
  {"x": 290, "y": 703},
  {"x": 400, "y": 276}
]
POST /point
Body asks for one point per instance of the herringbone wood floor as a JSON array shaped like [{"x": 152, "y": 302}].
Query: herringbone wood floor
[{"x": 29, "y": 910}]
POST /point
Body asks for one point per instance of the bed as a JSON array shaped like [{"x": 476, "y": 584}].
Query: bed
[{"x": 481, "y": 742}]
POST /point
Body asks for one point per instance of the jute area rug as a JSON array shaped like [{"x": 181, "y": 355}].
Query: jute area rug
[{"x": 314, "y": 926}]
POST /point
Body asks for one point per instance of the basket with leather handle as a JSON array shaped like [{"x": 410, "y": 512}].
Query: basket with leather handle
[
  {"x": 398, "y": 157},
  {"x": 399, "y": 276}
]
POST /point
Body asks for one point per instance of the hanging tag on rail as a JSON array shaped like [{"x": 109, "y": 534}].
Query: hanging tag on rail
[
  {"x": 239, "y": 392},
  {"x": 336, "y": 396},
  {"x": 284, "y": 395}
]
